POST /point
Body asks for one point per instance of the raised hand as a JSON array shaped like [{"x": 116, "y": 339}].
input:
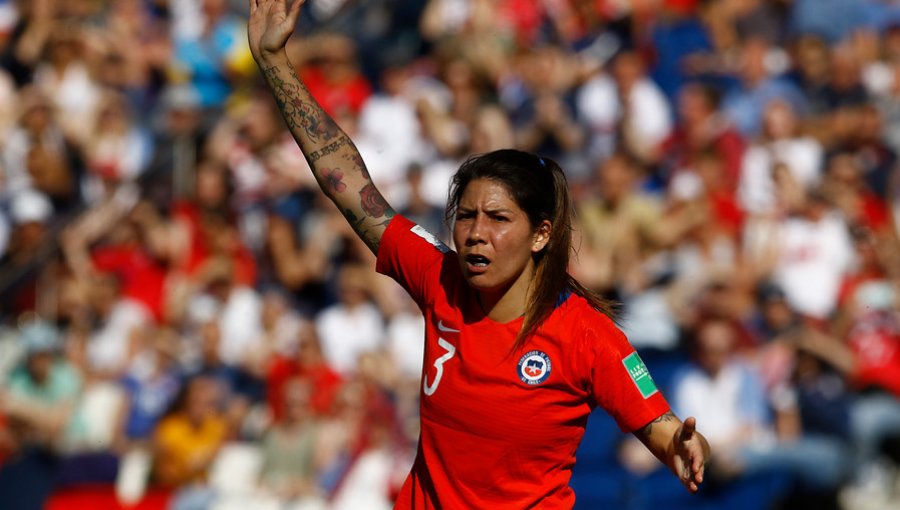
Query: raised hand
[
  {"x": 691, "y": 453},
  {"x": 271, "y": 24}
]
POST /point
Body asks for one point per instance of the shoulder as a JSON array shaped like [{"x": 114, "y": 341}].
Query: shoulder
[
  {"x": 579, "y": 308},
  {"x": 403, "y": 229},
  {"x": 641, "y": 205},
  {"x": 415, "y": 257},
  {"x": 66, "y": 378},
  {"x": 584, "y": 321},
  {"x": 19, "y": 381},
  {"x": 596, "y": 337},
  {"x": 171, "y": 428},
  {"x": 216, "y": 429}
]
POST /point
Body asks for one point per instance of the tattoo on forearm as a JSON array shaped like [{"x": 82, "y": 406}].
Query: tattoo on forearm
[
  {"x": 331, "y": 148},
  {"x": 314, "y": 129},
  {"x": 357, "y": 161},
  {"x": 371, "y": 239},
  {"x": 668, "y": 416},
  {"x": 298, "y": 114},
  {"x": 371, "y": 201},
  {"x": 334, "y": 180}
]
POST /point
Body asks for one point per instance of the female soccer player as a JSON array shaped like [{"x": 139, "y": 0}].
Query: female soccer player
[{"x": 517, "y": 353}]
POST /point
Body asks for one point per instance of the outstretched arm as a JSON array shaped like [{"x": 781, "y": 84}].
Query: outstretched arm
[
  {"x": 679, "y": 446},
  {"x": 334, "y": 160}
]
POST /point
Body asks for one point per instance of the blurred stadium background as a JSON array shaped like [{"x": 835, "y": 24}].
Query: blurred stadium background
[{"x": 187, "y": 323}]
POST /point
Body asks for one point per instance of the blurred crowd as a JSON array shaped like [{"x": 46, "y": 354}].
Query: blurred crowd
[{"x": 185, "y": 314}]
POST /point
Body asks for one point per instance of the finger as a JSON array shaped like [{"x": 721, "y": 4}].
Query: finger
[
  {"x": 688, "y": 428},
  {"x": 295, "y": 11},
  {"x": 689, "y": 480},
  {"x": 698, "y": 462},
  {"x": 690, "y": 485},
  {"x": 253, "y": 6}
]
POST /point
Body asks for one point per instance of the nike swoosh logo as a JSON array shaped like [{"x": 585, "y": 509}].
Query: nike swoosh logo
[{"x": 445, "y": 328}]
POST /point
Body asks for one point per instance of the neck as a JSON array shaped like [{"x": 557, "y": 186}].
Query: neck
[{"x": 511, "y": 302}]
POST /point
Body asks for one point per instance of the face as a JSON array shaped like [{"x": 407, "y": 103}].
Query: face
[
  {"x": 753, "y": 66},
  {"x": 297, "y": 400},
  {"x": 779, "y": 120},
  {"x": 692, "y": 105},
  {"x": 351, "y": 286},
  {"x": 39, "y": 366},
  {"x": 211, "y": 186},
  {"x": 715, "y": 342},
  {"x": 616, "y": 179},
  {"x": 494, "y": 238},
  {"x": 627, "y": 70},
  {"x": 777, "y": 314},
  {"x": 202, "y": 399}
]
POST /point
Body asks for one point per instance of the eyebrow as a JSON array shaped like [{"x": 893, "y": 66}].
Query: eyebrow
[{"x": 486, "y": 211}]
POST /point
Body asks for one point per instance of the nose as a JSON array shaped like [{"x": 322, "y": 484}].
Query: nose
[{"x": 476, "y": 234}]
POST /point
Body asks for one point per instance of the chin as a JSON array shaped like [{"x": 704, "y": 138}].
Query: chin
[
  {"x": 478, "y": 282},
  {"x": 486, "y": 284},
  {"x": 489, "y": 281}
]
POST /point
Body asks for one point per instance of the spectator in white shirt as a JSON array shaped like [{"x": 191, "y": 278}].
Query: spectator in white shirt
[
  {"x": 781, "y": 143},
  {"x": 813, "y": 252},
  {"x": 351, "y": 327}
]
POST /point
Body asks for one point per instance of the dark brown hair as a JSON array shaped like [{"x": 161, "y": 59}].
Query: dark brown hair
[{"x": 538, "y": 186}]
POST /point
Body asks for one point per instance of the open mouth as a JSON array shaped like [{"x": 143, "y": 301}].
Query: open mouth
[{"x": 477, "y": 262}]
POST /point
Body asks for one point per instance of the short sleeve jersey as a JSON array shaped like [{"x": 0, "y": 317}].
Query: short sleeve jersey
[{"x": 499, "y": 429}]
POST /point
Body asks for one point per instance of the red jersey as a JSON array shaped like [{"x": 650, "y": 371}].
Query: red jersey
[
  {"x": 324, "y": 381},
  {"x": 875, "y": 339},
  {"x": 143, "y": 277},
  {"x": 500, "y": 428}
]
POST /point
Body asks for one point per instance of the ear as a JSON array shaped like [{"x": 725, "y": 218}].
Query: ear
[{"x": 541, "y": 236}]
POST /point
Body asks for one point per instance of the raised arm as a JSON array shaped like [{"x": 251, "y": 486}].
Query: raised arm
[{"x": 334, "y": 160}]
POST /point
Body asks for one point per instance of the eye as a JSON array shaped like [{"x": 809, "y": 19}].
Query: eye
[
  {"x": 463, "y": 216},
  {"x": 500, "y": 217}
]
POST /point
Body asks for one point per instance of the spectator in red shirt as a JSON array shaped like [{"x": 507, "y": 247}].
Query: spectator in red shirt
[
  {"x": 333, "y": 76},
  {"x": 702, "y": 128},
  {"x": 206, "y": 225},
  {"x": 309, "y": 366}
]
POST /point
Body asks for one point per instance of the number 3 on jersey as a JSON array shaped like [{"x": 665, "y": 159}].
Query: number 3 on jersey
[{"x": 429, "y": 389}]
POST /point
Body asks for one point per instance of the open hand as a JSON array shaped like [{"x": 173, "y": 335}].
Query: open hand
[
  {"x": 691, "y": 454},
  {"x": 271, "y": 24}
]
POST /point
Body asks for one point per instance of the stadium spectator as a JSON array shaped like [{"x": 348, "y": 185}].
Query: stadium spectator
[
  {"x": 150, "y": 387},
  {"x": 739, "y": 417},
  {"x": 701, "y": 127},
  {"x": 757, "y": 89},
  {"x": 38, "y": 404},
  {"x": 36, "y": 128},
  {"x": 308, "y": 365},
  {"x": 40, "y": 400},
  {"x": 188, "y": 439},
  {"x": 813, "y": 254},
  {"x": 353, "y": 326},
  {"x": 781, "y": 143},
  {"x": 212, "y": 57},
  {"x": 621, "y": 226},
  {"x": 291, "y": 449}
]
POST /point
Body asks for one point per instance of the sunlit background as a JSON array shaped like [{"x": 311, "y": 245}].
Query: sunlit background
[{"x": 188, "y": 323}]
